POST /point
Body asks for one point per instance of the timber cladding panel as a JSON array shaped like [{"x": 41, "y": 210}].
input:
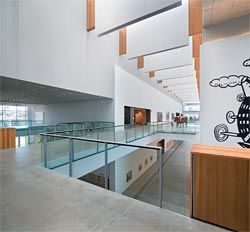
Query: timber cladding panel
[
  {"x": 221, "y": 188},
  {"x": 7, "y": 138}
]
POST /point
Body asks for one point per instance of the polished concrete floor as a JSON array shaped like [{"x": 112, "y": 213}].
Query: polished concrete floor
[{"x": 36, "y": 199}]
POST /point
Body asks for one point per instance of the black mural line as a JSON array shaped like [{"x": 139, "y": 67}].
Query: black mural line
[{"x": 221, "y": 131}]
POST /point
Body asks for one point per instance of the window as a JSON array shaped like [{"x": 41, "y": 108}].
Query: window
[{"x": 13, "y": 115}]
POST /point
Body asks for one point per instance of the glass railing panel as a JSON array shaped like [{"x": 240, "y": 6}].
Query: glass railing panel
[
  {"x": 106, "y": 133},
  {"x": 83, "y": 149},
  {"x": 64, "y": 127},
  {"x": 77, "y": 126},
  {"x": 151, "y": 128},
  {"x": 120, "y": 133},
  {"x": 175, "y": 173},
  {"x": 57, "y": 152},
  {"x": 139, "y": 130},
  {"x": 130, "y": 133},
  {"x": 88, "y": 125},
  {"x": 91, "y": 168},
  {"x": 50, "y": 128},
  {"x": 145, "y": 129},
  {"x": 137, "y": 175}
]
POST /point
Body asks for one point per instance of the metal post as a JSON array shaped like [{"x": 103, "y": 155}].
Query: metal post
[
  {"x": 160, "y": 155},
  {"x": 97, "y": 137},
  {"x": 71, "y": 156},
  {"x": 45, "y": 152},
  {"x": 157, "y": 127},
  {"x": 148, "y": 129},
  {"x": 142, "y": 130},
  {"x": 135, "y": 131},
  {"x": 153, "y": 127},
  {"x": 114, "y": 133},
  {"x": 29, "y": 136},
  {"x": 106, "y": 166},
  {"x": 126, "y": 132}
]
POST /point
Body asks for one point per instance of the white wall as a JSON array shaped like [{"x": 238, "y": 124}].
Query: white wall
[
  {"x": 46, "y": 42},
  {"x": 92, "y": 110},
  {"x": 221, "y": 58},
  {"x": 130, "y": 162},
  {"x": 131, "y": 91},
  {"x": 159, "y": 33},
  {"x": 8, "y": 44}
]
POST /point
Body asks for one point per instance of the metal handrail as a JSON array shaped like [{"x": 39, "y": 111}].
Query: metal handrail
[
  {"x": 105, "y": 127},
  {"x": 101, "y": 141}
]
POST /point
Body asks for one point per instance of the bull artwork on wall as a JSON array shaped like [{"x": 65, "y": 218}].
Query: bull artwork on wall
[{"x": 221, "y": 131}]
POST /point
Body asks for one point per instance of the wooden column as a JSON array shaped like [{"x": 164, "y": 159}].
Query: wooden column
[
  {"x": 122, "y": 41},
  {"x": 7, "y": 138},
  {"x": 90, "y": 15}
]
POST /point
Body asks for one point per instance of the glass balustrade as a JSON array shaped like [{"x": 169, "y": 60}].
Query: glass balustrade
[
  {"x": 105, "y": 163},
  {"x": 104, "y": 130},
  {"x": 156, "y": 173}
]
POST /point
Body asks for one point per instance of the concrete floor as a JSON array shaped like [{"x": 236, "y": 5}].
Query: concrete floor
[{"x": 36, "y": 199}]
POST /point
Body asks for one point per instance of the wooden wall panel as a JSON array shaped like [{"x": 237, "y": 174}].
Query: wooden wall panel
[
  {"x": 90, "y": 15},
  {"x": 122, "y": 41},
  {"x": 151, "y": 74},
  {"x": 7, "y": 138},
  {"x": 197, "y": 41},
  {"x": 140, "y": 62},
  {"x": 195, "y": 17},
  {"x": 197, "y": 63},
  {"x": 221, "y": 186}
]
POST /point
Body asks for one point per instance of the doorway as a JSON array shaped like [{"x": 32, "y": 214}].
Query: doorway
[{"x": 135, "y": 115}]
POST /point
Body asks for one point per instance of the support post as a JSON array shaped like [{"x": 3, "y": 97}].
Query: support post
[
  {"x": 97, "y": 137},
  {"x": 29, "y": 136},
  {"x": 45, "y": 152},
  {"x": 160, "y": 154},
  {"x": 135, "y": 131},
  {"x": 71, "y": 156},
  {"x": 126, "y": 132},
  {"x": 106, "y": 166}
]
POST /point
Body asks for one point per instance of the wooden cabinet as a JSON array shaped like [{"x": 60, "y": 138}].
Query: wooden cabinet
[
  {"x": 7, "y": 138},
  {"x": 221, "y": 186}
]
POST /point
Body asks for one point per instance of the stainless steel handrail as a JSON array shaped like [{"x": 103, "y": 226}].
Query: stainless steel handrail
[
  {"x": 105, "y": 127},
  {"x": 101, "y": 141}
]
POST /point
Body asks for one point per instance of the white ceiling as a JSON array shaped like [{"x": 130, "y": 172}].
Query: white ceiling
[
  {"x": 217, "y": 11},
  {"x": 33, "y": 93}
]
